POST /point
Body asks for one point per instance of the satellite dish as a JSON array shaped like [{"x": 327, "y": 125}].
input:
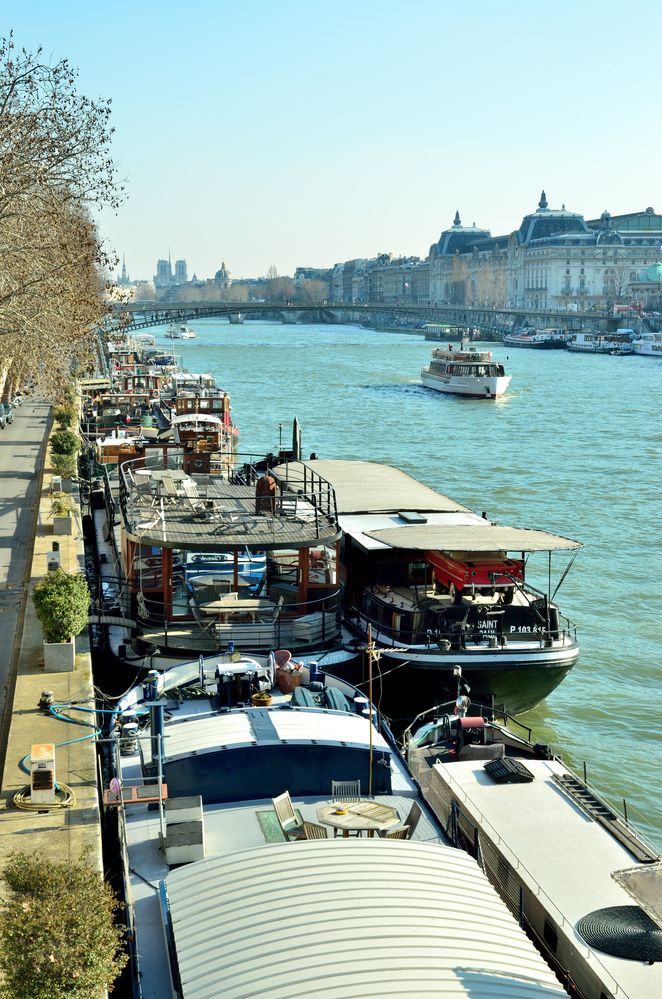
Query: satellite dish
[{"x": 115, "y": 786}]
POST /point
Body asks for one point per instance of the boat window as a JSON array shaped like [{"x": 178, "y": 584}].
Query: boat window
[{"x": 550, "y": 936}]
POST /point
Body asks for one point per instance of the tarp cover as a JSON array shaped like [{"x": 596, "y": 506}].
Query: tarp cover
[{"x": 471, "y": 538}]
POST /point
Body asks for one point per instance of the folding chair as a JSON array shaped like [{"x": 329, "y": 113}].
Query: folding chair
[
  {"x": 311, "y": 830},
  {"x": 410, "y": 823}
]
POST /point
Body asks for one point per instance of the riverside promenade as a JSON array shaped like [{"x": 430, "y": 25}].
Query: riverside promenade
[{"x": 26, "y": 537}]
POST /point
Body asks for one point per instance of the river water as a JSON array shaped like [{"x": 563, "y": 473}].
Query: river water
[{"x": 573, "y": 448}]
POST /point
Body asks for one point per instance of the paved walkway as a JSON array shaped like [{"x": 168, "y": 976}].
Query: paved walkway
[{"x": 26, "y": 537}]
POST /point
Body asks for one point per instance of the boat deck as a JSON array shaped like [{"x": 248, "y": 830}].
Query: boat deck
[
  {"x": 560, "y": 851},
  {"x": 214, "y": 514}
]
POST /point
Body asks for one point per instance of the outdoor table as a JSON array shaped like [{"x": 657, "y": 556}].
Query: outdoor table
[
  {"x": 231, "y": 604},
  {"x": 362, "y": 816}
]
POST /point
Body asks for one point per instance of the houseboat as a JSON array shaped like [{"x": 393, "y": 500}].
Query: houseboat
[
  {"x": 547, "y": 339},
  {"x": 440, "y": 587},
  {"x": 648, "y": 345},
  {"x": 272, "y": 842},
  {"x": 575, "y": 874}
]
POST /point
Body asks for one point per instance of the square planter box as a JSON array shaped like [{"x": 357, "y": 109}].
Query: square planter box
[
  {"x": 59, "y": 657},
  {"x": 62, "y": 525}
]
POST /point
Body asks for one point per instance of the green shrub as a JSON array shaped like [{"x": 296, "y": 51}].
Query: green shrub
[
  {"x": 65, "y": 442},
  {"x": 65, "y": 415},
  {"x": 69, "y": 395},
  {"x": 58, "y": 935},
  {"x": 62, "y": 505},
  {"x": 64, "y": 465},
  {"x": 62, "y": 603}
]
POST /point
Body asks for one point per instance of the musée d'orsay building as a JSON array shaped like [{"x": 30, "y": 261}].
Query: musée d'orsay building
[{"x": 554, "y": 260}]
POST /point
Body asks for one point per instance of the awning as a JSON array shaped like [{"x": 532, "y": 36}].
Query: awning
[{"x": 471, "y": 538}]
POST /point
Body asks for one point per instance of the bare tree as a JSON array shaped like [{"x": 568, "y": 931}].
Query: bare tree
[{"x": 55, "y": 166}]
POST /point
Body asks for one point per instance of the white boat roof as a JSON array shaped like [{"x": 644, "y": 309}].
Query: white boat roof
[
  {"x": 364, "y": 527},
  {"x": 371, "y": 487},
  {"x": 341, "y": 918},
  {"x": 293, "y": 725},
  {"x": 477, "y": 537},
  {"x": 559, "y": 851}
]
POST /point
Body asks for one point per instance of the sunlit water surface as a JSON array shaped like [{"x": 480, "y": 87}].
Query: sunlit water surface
[{"x": 574, "y": 448}]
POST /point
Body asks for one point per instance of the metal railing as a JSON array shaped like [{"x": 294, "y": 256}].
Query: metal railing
[{"x": 430, "y": 635}]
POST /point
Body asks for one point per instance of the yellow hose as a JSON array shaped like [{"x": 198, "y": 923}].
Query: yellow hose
[{"x": 22, "y": 799}]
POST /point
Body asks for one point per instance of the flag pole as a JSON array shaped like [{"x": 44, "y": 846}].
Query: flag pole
[{"x": 370, "y": 650}]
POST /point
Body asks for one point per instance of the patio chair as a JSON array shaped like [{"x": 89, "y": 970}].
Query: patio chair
[
  {"x": 345, "y": 790},
  {"x": 311, "y": 830},
  {"x": 402, "y": 832},
  {"x": 410, "y": 823},
  {"x": 287, "y": 817}
]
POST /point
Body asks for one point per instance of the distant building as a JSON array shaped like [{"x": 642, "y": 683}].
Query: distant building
[
  {"x": 222, "y": 277},
  {"x": 311, "y": 274},
  {"x": 163, "y": 276},
  {"x": 181, "y": 273},
  {"x": 123, "y": 279}
]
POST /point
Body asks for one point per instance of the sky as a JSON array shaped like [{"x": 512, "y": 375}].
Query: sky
[{"x": 303, "y": 134}]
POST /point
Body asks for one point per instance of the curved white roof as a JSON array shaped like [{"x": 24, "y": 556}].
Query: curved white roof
[{"x": 341, "y": 918}]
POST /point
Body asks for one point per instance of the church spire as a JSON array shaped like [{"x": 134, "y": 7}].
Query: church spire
[
  {"x": 542, "y": 204},
  {"x": 456, "y": 220}
]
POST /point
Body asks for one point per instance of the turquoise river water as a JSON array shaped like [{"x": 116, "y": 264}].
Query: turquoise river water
[{"x": 573, "y": 448}]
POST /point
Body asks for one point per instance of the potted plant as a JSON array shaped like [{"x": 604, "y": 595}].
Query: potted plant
[
  {"x": 62, "y": 604},
  {"x": 62, "y": 506},
  {"x": 262, "y": 699}
]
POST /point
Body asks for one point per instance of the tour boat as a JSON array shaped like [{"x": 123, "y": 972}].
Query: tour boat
[
  {"x": 437, "y": 587},
  {"x": 465, "y": 372},
  {"x": 551, "y": 339},
  {"x": 648, "y": 345},
  {"x": 602, "y": 343},
  {"x": 273, "y": 842},
  {"x": 180, "y": 332}
]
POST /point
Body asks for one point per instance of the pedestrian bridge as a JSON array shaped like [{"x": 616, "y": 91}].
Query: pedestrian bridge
[{"x": 142, "y": 315}]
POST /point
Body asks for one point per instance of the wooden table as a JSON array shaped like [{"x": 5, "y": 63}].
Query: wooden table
[
  {"x": 231, "y": 603},
  {"x": 362, "y": 816}
]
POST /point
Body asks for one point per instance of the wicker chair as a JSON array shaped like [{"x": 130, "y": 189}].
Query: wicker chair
[{"x": 287, "y": 817}]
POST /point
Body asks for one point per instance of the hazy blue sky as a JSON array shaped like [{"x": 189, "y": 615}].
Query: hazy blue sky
[{"x": 301, "y": 133}]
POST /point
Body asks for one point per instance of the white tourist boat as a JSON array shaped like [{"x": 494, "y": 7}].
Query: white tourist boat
[
  {"x": 593, "y": 342},
  {"x": 180, "y": 331},
  {"x": 648, "y": 345},
  {"x": 465, "y": 372}
]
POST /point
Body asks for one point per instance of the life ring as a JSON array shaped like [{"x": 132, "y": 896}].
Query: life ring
[
  {"x": 155, "y": 393},
  {"x": 197, "y": 463}
]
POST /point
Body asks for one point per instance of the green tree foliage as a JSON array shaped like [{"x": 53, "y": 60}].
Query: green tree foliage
[
  {"x": 65, "y": 442},
  {"x": 62, "y": 604},
  {"x": 58, "y": 935}
]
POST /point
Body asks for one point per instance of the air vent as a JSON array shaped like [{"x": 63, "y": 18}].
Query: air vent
[
  {"x": 411, "y": 517},
  {"x": 508, "y": 771}
]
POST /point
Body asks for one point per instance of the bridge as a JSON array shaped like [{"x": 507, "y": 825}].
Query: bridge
[{"x": 142, "y": 315}]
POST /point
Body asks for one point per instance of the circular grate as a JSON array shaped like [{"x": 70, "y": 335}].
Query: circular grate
[{"x": 622, "y": 931}]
